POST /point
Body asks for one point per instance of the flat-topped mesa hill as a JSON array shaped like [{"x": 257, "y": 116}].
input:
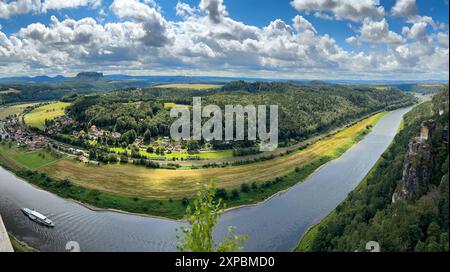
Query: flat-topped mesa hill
[
  {"x": 125, "y": 132},
  {"x": 89, "y": 75}
]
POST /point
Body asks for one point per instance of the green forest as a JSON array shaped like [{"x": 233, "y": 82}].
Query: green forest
[
  {"x": 369, "y": 214},
  {"x": 83, "y": 83},
  {"x": 304, "y": 109}
]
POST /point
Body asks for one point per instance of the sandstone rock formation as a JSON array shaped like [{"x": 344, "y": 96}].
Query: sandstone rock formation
[{"x": 417, "y": 165}]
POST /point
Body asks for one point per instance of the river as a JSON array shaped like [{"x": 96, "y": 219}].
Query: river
[{"x": 274, "y": 225}]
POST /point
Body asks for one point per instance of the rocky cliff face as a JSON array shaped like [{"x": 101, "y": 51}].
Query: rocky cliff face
[
  {"x": 418, "y": 164},
  {"x": 427, "y": 129},
  {"x": 444, "y": 136}
]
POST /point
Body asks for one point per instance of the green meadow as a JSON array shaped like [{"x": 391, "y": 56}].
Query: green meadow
[
  {"x": 28, "y": 159},
  {"x": 13, "y": 109},
  {"x": 207, "y": 155},
  {"x": 36, "y": 118}
]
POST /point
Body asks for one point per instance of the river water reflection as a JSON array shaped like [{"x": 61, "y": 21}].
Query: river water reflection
[{"x": 275, "y": 225}]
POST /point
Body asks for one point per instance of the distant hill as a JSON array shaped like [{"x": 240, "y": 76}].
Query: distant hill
[
  {"x": 50, "y": 88},
  {"x": 424, "y": 88},
  {"x": 121, "y": 77},
  {"x": 405, "y": 85},
  {"x": 89, "y": 75},
  {"x": 37, "y": 79}
]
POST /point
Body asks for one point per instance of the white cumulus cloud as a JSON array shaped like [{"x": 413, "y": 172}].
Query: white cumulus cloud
[
  {"x": 18, "y": 7},
  {"x": 66, "y": 4},
  {"x": 405, "y": 8},
  {"x": 376, "y": 32},
  {"x": 207, "y": 41},
  {"x": 11, "y": 8},
  {"x": 155, "y": 25},
  {"x": 301, "y": 24},
  {"x": 354, "y": 10},
  {"x": 214, "y": 8}
]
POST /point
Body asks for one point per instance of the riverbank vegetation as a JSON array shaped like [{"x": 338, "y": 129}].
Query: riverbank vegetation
[
  {"x": 122, "y": 136},
  {"x": 303, "y": 109},
  {"x": 166, "y": 192},
  {"x": 128, "y": 179},
  {"x": 369, "y": 213},
  {"x": 133, "y": 124},
  {"x": 19, "y": 246},
  {"x": 307, "y": 241}
]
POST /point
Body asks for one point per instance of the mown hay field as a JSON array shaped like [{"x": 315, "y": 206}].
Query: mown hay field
[
  {"x": 13, "y": 109},
  {"x": 138, "y": 181},
  {"x": 36, "y": 118}
]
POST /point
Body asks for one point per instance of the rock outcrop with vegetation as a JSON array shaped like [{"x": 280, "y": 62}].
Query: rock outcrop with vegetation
[
  {"x": 417, "y": 166},
  {"x": 415, "y": 170}
]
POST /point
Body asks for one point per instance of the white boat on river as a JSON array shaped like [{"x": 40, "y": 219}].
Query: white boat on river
[
  {"x": 38, "y": 217},
  {"x": 274, "y": 225}
]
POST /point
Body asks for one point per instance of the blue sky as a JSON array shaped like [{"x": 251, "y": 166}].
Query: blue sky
[
  {"x": 254, "y": 12},
  {"x": 349, "y": 39}
]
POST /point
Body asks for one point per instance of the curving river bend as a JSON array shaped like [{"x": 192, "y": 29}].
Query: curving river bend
[{"x": 275, "y": 225}]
